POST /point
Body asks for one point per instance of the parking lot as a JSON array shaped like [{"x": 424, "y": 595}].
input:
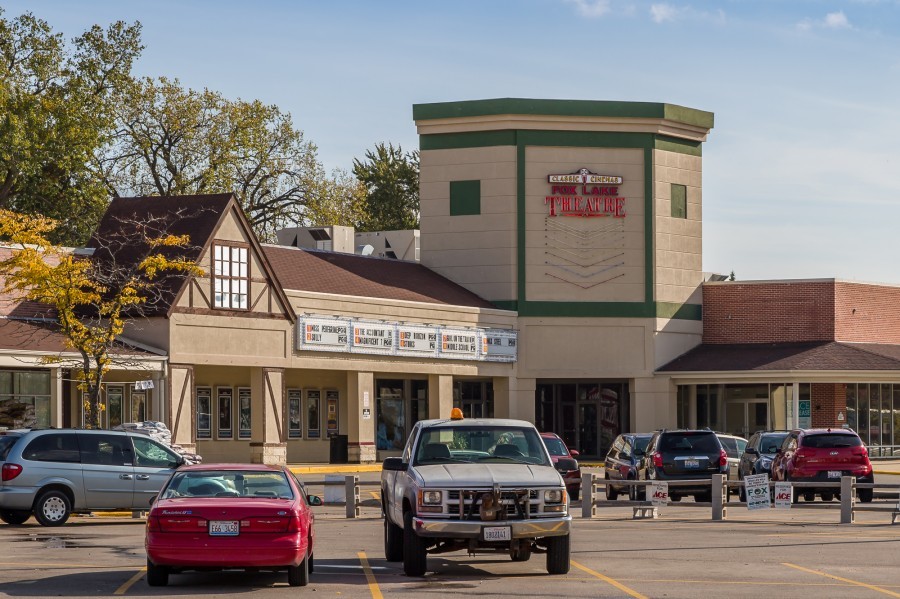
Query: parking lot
[{"x": 682, "y": 554}]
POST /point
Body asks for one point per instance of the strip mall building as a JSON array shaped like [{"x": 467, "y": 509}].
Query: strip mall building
[{"x": 560, "y": 282}]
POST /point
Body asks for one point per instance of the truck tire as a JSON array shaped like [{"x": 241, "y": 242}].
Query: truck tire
[
  {"x": 558, "y": 555},
  {"x": 393, "y": 541},
  {"x": 52, "y": 508},
  {"x": 414, "y": 554}
]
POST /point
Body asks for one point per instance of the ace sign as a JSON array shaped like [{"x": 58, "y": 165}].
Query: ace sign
[
  {"x": 659, "y": 493},
  {"x": 784, "y": 494},
  {"x": 756, "y": 488}
]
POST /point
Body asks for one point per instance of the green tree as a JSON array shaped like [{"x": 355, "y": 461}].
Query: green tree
[
  {"x": 392, "y": 186},
  {"x": 177, "y": 141},
  {"x": 336, "y": 200},
  {"x": 56, "y": 106}
]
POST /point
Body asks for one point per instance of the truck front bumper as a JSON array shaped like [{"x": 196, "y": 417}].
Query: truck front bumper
[{"x": 533, "y": 528}]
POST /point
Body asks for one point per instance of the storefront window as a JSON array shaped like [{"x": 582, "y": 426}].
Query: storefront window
[
  {"x": 862, "y": 394},
  {"x": 204, "y": 412},
  {"x": 295, "y": 414},
  {"x": 24, "y": 399},
  {"x": 313, "y": 414},
  {"x": 852, "y": 421},
  {"x": 115, "y": 399},
  {"x": 225, "y": 427},
  {"x": 244, "y": 431},
  {"x": 390, "y": 433}
]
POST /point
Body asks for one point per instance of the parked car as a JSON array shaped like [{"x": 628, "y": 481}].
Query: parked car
[
  {"x": 734, "y": 447},
  {"x": 823, "y": 455},
  {"x": 686, "y": 455},
  {"x": 54, "y": 472},
  {"x": 624, "y": 462},
  {"x": 758, "y": 455},
  {"x": 211, "y": 517},
  {"x": 566, "y": 463}
]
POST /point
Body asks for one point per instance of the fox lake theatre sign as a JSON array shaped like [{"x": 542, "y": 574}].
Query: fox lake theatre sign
[
  {"x": 352, "y": 335},
  {"x": 584, "y": 193}
]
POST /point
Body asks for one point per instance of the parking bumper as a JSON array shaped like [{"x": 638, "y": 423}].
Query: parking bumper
[{"x": 532, "y": 528}]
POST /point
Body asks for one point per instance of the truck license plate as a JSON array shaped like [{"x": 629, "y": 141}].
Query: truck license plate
[
  {"x": 497, "y": 533},
  {"x": 223, "y": 528}
]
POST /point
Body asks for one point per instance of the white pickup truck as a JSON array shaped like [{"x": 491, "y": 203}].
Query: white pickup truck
[{"x": 479, "y": 485}]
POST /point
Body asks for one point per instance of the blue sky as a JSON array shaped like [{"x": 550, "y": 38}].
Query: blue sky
[{"x": 801, "y": 172}]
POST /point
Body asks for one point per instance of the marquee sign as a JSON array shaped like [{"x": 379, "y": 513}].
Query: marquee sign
[
  {"x": 585, "y": 194},
  {"x": 354, "y": 335}
]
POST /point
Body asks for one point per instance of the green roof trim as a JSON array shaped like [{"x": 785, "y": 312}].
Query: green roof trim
[{"x": 570, "y": 108}]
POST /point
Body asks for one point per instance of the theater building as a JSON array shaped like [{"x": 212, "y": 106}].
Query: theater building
[{"x": 560, "y": 281}]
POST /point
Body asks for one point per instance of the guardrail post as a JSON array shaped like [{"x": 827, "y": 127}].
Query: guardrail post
[
  {"x": 351, "y": 489},
  {"x": 587, "y": 494},
  {"x": 848, "y": 499},
  {"x": 717, "y": 491}
]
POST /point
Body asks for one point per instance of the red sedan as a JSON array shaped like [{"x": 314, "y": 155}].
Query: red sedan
[
  {"x": 565, "y": 463},
  {"x": 244, "y": 516}
]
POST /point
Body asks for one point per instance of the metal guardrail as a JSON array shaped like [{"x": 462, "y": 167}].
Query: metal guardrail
[
  {"x": 592, "y": 484},
  {"x": 351, "y": 484}
]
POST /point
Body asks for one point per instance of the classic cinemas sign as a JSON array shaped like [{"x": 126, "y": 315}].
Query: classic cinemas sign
[{"x": 584, "y": 193}]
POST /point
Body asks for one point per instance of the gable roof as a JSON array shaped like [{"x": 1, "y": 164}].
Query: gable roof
[
  {"x": 811, "y": 356},
  {"x": 320, "y": 271}
]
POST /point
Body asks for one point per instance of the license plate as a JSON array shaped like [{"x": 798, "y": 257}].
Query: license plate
[
  {"x": 223, "y": 528},
  {"x": 692, "y": 463},
  {"x": 834, "y": 473},
  {"x": 497, "y": 533}
]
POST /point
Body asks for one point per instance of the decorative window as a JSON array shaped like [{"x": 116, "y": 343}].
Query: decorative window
[
  {"x": 204, "y": 411},
  {"x": 313, "y": 424},
  {"x": 225, "y": 428},
  {"x": 465, "y": 198},
  {"x": 679, "y": 201},
  {"x": 244, "y": 430},
  {"x": 295, "y": 413},
  {"x": 231, "y": 277}
]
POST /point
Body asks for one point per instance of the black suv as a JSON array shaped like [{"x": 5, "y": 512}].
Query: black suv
[{"x": 686, "y": 455}]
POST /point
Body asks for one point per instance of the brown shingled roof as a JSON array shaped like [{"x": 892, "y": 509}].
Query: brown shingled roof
[
  {"x": 196, "y": 216},
  {"x": 366, "y": 276},
  {"x": 44, "y": 337},
  {"x": 813, "y": 356}
]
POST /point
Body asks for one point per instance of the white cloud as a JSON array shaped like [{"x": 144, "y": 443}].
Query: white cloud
[
  {"x": 660, "y": 13},
  {"x": 833, "y": 20},
  {"x": 591, "y": 8}
]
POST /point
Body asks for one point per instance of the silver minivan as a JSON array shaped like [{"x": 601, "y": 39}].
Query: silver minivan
[{"x": 53, "y": 473}]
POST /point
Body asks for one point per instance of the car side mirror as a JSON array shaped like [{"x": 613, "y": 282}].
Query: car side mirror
[
  {"x": 751, "y": 451},
  {"x": 574, "y": 453},
  {"x": 153, "y": 499},
  {"x": 314, "y": 500},
  {"x": 394, "y": 464}
]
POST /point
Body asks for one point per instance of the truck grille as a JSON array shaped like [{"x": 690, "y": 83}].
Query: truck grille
[{"x": 517, "y": 504}]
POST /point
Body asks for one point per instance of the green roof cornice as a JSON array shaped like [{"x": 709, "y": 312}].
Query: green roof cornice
[{"x": 568, "y": 108}]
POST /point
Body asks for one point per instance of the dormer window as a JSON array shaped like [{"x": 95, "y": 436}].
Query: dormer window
[{"x": 231, "y": 276}]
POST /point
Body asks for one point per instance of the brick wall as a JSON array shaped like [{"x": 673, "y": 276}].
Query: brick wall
[
  {"x": 768, "y": 312},
  {"x": 867, "y": 313},
  {"x": 827, "y": 399}
]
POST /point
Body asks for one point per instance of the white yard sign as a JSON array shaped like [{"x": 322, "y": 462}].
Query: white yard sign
[
  {"x": 756, "y": 488},
  {"x": 783, "y": 496},
  {"x": 659, "y": 493}
]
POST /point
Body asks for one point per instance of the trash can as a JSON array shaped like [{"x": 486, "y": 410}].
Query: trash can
[{"x": 338, "y": 450}]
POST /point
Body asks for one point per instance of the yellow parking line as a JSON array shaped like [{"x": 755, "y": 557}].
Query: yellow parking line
[
  {"x": 370, "y": 576},
  {"x": 124, "y": 588},
  {"x": 847, "y": 580},
  {"x": 618, "y": 585},
  {"x": 375, "y": 495}
]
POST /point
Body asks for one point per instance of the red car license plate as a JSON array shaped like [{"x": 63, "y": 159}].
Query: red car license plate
[
  {"x": 224, "y": 528},
  {"x": 834, "y": 474}
]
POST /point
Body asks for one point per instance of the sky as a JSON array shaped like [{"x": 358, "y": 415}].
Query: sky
[{"x": 801, "y": 173}]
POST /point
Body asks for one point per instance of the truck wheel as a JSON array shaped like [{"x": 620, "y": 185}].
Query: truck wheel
[
  {"x": 52, "y": 508},
  {"x": 157, "y": 576},
  {"x": 414, "y": 555},
  {"x": 558, "y": 555},
  {"x": 15, "y": 517},
  {"x": 520, "y": 551},
  {"x": 393, "y": 541}
]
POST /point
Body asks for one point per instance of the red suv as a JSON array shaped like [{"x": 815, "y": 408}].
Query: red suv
[{"x": 823, "y": 455}]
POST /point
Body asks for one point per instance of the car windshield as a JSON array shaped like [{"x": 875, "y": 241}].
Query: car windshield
[
  {"x": 228, "y": 483},
  {"x": 771, "y": 443},
  {"x": 507, "y": 444},
  {"x": 690, "y": 442},
  {"x": 831, "y": 441},
  {"x": 6, "y": 443},
  {"x": 555, "y": 446}
]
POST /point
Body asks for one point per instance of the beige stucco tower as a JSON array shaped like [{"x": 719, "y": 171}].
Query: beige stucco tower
[{"x": 585, "y": 218}]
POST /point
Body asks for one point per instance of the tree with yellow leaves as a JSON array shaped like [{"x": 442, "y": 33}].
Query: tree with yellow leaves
[{"x": 92, "y": 295}]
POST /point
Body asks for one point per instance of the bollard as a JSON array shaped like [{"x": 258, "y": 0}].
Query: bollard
[
  {"x": 351, "y": 486},
  {"x": 847, "y": 499},
  {"x": 717, "y": 490},
  {"x": 587, "y": 495}
]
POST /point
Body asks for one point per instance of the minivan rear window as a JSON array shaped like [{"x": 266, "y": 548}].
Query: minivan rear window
[
  {"x": 831, "y": 441},
  {"x": 55, "y": 447},
  {"x": 6, "y": 443}
]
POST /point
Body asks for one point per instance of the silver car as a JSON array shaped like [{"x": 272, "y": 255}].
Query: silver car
[{"x": 53, "y": 473}]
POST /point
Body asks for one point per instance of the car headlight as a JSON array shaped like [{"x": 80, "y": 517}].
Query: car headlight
[
  {"x": 432, "y": 497},
  {"x": 554, "y": 496}
]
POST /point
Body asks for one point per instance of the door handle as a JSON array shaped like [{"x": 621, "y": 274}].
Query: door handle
[
  {"x": 143, "y": 477},
  {"x": 126, "y": 477}
]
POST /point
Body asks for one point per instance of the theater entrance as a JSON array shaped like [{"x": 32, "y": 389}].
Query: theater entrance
[{"x": 588, "y": 416}]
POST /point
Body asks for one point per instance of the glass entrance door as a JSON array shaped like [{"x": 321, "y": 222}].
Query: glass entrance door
[
  {"x": 743, "y": 418},
  {"x": 587, "y": 429}
]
